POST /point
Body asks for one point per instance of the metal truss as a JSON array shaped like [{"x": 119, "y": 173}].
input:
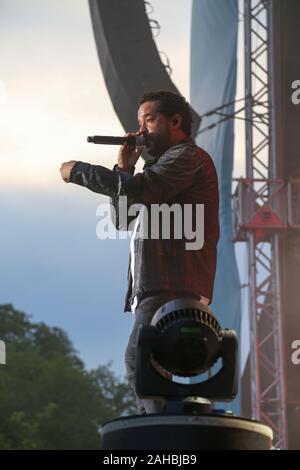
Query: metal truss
[
  {"x": 264, "y": 207},
  {"x": 262, "y": 197}
]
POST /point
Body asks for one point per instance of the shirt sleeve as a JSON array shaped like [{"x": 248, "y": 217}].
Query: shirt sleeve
[{"x": 172, "y": 173}]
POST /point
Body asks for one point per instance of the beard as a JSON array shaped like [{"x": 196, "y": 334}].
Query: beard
[{"x": 157, "y": 144}]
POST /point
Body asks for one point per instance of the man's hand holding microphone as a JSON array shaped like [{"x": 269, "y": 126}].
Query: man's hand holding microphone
[
  {"x": 129, "y": 154},
  {"x": 127, "y": 158}
]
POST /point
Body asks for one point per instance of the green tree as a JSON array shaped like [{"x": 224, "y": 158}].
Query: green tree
[{"x": 48, "y": 400}]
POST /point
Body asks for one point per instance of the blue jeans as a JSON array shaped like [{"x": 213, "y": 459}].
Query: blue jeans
[{"x": 143, "y": 316}]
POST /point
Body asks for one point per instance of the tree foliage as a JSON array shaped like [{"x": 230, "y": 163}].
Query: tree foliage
[{"x": 48, "y": 400}]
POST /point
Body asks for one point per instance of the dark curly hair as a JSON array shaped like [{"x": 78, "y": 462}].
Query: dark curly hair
[{"x": 170, "y": 104}]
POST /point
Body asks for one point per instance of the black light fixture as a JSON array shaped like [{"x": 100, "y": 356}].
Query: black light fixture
[
  {"x": 185, "y": 339},
  {"x": 190, "y": 337}
]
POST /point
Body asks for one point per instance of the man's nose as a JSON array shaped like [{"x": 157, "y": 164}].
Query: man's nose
[{"x": 143, "y": 128}]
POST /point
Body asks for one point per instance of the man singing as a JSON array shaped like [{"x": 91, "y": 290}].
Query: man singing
[{"x": 160, "y": 269}]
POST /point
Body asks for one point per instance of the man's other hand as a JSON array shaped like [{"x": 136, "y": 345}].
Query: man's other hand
[{"x": 65, "y": 170}]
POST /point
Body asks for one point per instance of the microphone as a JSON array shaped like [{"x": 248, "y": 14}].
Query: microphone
[{"x": 110, "y": 140}]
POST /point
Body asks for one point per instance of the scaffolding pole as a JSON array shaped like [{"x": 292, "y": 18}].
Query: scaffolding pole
[{"x": 266, "y": 354}]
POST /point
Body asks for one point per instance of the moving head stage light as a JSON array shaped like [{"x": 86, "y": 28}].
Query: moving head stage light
[{"x": 185, "y": 340}]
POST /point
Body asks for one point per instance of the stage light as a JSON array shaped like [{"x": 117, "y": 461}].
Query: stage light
[
  {"x": 189, "y": 337},
  {"x": 185, "y": 339}
]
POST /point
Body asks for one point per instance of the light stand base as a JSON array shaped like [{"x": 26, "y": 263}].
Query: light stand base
[{"x": 186, "y": 432}]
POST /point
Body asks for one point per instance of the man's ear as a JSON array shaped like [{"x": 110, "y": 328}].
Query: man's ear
[{"x": 176, "y": 119}]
